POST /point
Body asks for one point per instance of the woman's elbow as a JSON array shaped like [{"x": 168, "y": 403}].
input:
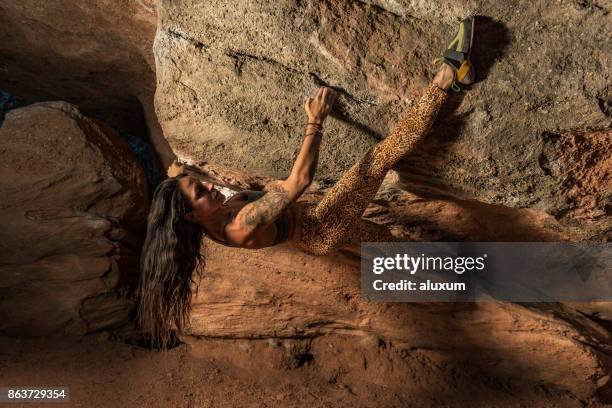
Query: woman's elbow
[
  {"x": 303, "y": 182},
  {"x": 296, "y": 185}
]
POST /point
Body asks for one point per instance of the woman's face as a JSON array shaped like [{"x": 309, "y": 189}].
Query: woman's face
[{"x": 202, "y": 197}]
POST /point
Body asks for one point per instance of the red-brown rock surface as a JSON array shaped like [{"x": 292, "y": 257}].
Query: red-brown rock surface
[
  {"x": 73, "y": 201},
  {"x": 513, "y": 159}
]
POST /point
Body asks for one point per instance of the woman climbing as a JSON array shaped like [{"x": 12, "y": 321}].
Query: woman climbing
[{"x": 184, "y": 209}]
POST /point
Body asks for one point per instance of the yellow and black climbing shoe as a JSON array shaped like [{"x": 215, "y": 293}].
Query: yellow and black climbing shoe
[{"x": 457, "y": 55}]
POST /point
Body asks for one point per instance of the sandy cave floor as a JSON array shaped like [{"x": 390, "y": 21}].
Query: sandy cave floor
[
  {"x": 104, "y": 373},
  {"x": 328, "y": 371}
]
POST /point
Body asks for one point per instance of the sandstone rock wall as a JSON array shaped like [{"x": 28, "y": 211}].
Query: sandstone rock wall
[
  {"x": 73, "y": 201},
  {"x": 232, "y": 79}
]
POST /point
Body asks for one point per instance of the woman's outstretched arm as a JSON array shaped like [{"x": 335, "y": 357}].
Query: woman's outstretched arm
[
  {"x": 305, "y": 165},
  {"x": 279, "y": 196}
]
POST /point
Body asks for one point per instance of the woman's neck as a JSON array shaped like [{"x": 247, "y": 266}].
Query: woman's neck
[{"x": 216, "y": 222}]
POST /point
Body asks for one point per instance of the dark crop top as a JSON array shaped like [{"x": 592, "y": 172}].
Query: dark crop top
[{"x": 283, "y": 223}]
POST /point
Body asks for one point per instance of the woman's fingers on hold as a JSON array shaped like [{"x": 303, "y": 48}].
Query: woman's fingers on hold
[{"x": 307, "y": 104}]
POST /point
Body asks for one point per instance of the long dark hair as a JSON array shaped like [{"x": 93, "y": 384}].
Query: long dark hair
[{"x": 169, "y": 262}]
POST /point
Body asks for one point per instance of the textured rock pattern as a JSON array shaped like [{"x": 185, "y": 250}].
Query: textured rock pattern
[
  {"x": 581, "y": 162},
  {"x": 73, "y": 201},
  {"x": 232, "y": 78}
]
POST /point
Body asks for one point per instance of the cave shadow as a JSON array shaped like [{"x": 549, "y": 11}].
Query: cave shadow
[
  {"x": 484, "y": 366},
  {"x": 491, "y": 40}
]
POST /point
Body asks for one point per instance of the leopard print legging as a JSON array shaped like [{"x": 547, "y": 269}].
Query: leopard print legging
[{"x": 336, "y": 220}]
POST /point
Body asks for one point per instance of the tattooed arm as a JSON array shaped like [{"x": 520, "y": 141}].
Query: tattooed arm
[
  {"x": 258, "y": 215},
  {"x": 263, "y": 212}
]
